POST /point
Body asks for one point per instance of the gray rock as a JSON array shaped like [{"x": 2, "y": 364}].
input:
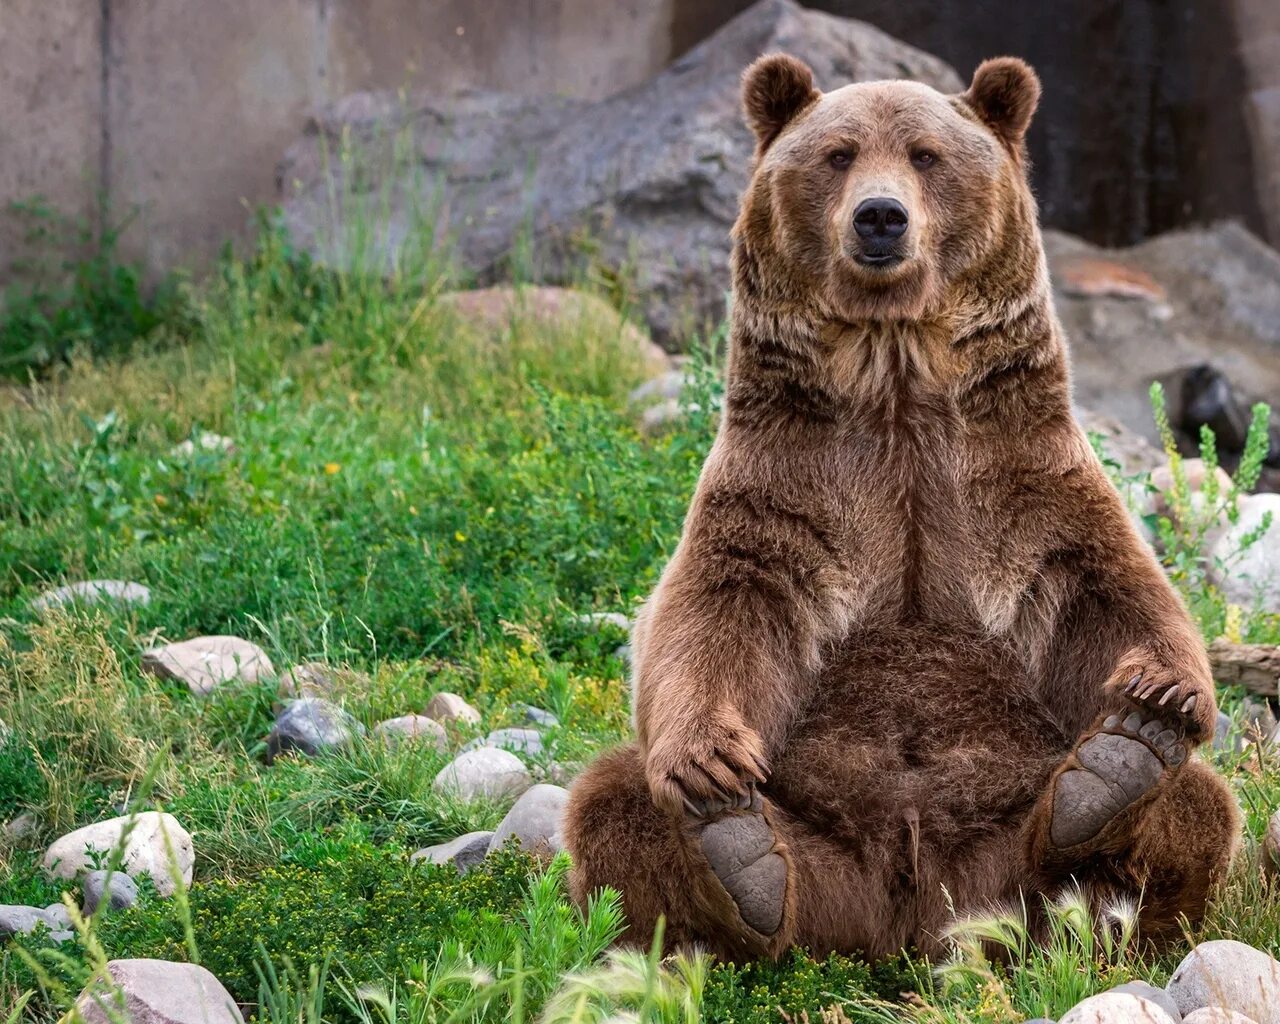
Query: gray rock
[
  {"x": 464, "y": 852},
  {"x": 538, "y": 717},
  {"x": 18, "y": 920},
  {"x": 1144, "y": 990},
  {"x": 311, "y": 725},
  {"x": 485, "y": 772},
  {"x": 535, "y": 820},
  {"x": 206, "y": 662},
  {"x": 449, "y": 707},
  {"x": 664, "y": 415},
  {"x": 159, "y": 992},
  {"x": 653, "y": 173},
  {"x": 122, "y": 891},
  {"x": 518, "y": 741},
  {"x": 1116, "y": 1008},
  {"x": 62, "y": 936},
  {"x": 151, "y": 837},
  {"x": 1216, "y": 1015},
  {"x": 665, "y": 387},
  {"x": 93, "y": 592},
  {"x": 1230, "y": 975},
  {"x": 1226, "y": 736},
  {"x": 413, "y": 728},
  {"x": 58, "y": 918},
  {"x": 600, "y": 620},
  {"x": 21, "y": 827},
  {"x": 1250, "y": 576}
]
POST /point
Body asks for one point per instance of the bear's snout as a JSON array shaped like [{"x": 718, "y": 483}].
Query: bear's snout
[{"x": 880, "y": 223}]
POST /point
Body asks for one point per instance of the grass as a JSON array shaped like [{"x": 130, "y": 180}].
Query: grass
[{"x": 432, "y": 506}]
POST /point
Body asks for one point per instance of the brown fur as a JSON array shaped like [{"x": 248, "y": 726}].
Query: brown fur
[{"x": 905, "y": 587}]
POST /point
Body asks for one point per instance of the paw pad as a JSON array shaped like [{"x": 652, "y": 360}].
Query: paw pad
[{"x": 739, "y": 848}]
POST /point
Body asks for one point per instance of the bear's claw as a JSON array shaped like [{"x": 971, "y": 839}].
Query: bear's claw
[
  {"x": 740, "y": 849},
  {"x": 1116, "y": 766}
]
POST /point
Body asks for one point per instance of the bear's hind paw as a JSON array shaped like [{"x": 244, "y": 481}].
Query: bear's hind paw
[
  {"x": 740, "y": 847},
  {"x": 1112, "y": 770}
]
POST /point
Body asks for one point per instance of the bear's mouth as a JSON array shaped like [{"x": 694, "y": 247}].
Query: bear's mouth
[{"x": 879, "y": 261}]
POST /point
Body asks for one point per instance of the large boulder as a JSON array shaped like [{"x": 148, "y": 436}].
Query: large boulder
[
  {"x": 206, "y": 662},
  {"x": 535, "y": 820},
  {"x": 1200, "y": 295},
  {"x": 653, "y": 173},
  {"x": 158, "y": 992},
  {"x": 486, "y": 773},
  {"x": 1231, "y": 975},
  {"x": 311, "y": 725},
  {"x": 157, "y": 846}
]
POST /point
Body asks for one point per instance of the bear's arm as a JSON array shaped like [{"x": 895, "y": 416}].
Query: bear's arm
[
  {"x": 1113, "y": 617},
  {"x": 728, "y": 646}
]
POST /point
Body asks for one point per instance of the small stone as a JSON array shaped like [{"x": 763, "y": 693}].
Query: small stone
[
  {"x": 1145, "y": 990},
  {"x": 665, "y": 387},
  {"x": 205, "y": 441},
  {"x": 417, "y": 728},
  {"x": 18, "y": 920},
  {"x": 21, "y": 827},
  {"x": 1258, "y": 719},
  {"x": 449, "y": 707},
  {"x": 1117, "y": 1008},
  {"x": 206, "y": 662},
  {"x": 58, "y": 918},
  {"x": 122, "y": 891},
  {"x": 623, "y": 653},
  {"x": 598, "y": 620},
  {"x": 1226, "y": 736},
  {"x": 657, "y": 418},
  {"x": 145, "y": 853},
  {"x": 535, "y": 820},
  {"x": 519, "y": 741},
  {"x": 311, "y": 725},
  {"x": 1231, "y": 975},
  {"x": 159, "y": 992},
  {"x": 93, "y": 592},
  {"x": 1216, "y": 1015},
  {"x": 537, "y": 716},
  {"x": 485, "y": 772},
  {"x": 464, "y": 852},
  {"x": 1250, "y": 576}
]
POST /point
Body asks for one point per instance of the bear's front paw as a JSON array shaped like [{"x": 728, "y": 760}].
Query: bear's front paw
[
  {"x": 1190, "y": 704},
  {"x": 707, "y": 768}
]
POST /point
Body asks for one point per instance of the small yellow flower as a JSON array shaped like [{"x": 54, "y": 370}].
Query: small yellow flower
[
  {"x": 460, "y": 537},
  {"x": 330, "y": 468},
  {"x": 413, "y": 510},
  {"x": 161, "y": 500}
]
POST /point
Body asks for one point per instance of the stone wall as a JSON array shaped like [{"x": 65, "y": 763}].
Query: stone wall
[{"x": 1156, "y": 113}]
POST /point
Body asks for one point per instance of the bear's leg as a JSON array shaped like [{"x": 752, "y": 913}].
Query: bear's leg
[
  {"x": 1180, "y": 848},
  {"x": 742, "y": 882},
  {"x": 1100, "y": 791}
]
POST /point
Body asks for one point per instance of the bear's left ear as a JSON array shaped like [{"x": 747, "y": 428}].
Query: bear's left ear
[
  {"x": 774, "y": 89},
  {"x": 1004, "y": 94}
]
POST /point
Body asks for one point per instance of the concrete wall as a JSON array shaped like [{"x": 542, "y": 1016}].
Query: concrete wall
[{"x": 181, "y": 108}]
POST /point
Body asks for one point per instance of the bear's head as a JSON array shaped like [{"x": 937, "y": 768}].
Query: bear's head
[{"x": 879, "y": 200}]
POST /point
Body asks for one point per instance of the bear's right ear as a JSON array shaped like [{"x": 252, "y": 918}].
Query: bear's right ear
[
  {"x": 1005, "y": 93},
  {"x": 774, "y": 89}
]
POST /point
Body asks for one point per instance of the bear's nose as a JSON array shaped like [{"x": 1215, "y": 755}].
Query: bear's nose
[{"x": 880, "y": 217}]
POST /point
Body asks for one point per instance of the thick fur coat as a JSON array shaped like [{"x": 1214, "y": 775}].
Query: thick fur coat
[{"x": 906, "y": 597}]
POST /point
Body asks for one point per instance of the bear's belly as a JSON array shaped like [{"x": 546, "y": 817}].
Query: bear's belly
[{"x": 922, "y": 730}]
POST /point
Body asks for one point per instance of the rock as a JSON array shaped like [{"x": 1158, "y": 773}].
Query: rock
[
  {"x": 663, "y": 416},
  {"x": 310, "y": 679},
  {"x": 1117, "y": 1008},
  {"x": 534, "y": 819},
  {"x": 1226, "y": 736},
  {"x": 484, "y": 772},
  {"x": 1196, "y": 474},
  {"x": 206, "y": 662},
  {"x": 93, "y": 592},
  {"x": 1159, "y": 996},
  {"x": 18, "y": 920},
  {"x": 449, "y": 707},
  {"x": 464, "y": 852},
  {"x": 536, "y": 716},
  {"x": 159, "y": 992},
  {"x": 1257, "y": 720},
  {"x": 1092, "y": 277},
  {"x": 668, "y": 386},
  {"x": 205, "y": 441},
  {"x": 1135, "y": 455},
  {"x": 559, "y": 313},
  {"x": 121, "y": 891},
  {"x": 21, "y": 827},
  {"x": 1216, "y": 1015},
  {"x": 599, "y": 620},
  {"x": 1203, "y": 396},
  {"x": 311, "y": 725},
  {"x": 1271, "y": 846},
  {"x": 1256, "y": 667},
  {"x": 652, "y": 173},
  {"x": 518, "y": 741},
  {"x": 1252, "y": 576},
  {"x": 417, "y": 728},
  {"x": 1223, "y": 291},
  {"x": 58, "y": 918},
  {"x": 623, "y": 653},
  {"x": 145, "y": 852},
  {"x": 1231, "y": 975}
]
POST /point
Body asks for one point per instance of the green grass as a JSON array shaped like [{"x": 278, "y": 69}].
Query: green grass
[{"x": 432, "y": 506}]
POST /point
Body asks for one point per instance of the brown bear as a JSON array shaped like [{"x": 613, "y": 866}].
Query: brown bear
[{"x": 910, "y": 657}]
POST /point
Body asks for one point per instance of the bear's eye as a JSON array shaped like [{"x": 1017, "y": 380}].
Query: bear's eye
[
  {"x": 923, "y": 158},
  {"x": 841, "y": 159}
]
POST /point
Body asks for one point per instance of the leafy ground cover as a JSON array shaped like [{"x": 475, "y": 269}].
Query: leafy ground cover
[{"x": 435, "y": 506}]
